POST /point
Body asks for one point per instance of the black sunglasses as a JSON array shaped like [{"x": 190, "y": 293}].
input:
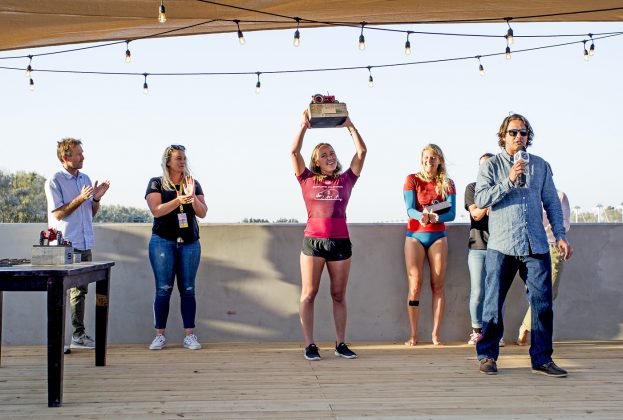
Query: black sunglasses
[
  {"x": 514, "y": 132},
  {"x": 177, "y": 147}
]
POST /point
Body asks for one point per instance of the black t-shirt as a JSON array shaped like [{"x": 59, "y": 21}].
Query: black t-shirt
[
  {"x": 168, "y": 226},
  {"x": 479, "y": 229}
]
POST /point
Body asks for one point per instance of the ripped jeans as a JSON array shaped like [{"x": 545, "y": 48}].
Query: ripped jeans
[{"x": 169, "y": 260}]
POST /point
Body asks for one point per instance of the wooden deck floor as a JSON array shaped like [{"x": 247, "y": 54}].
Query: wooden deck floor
[{"x": 272, "y": 380}]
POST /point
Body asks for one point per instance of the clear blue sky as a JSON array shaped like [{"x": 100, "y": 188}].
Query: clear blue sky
[{"x": 238, "y": 142}]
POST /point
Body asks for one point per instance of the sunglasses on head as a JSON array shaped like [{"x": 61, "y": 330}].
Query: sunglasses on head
[
  {"x": 514, "y": 132},
  {"x": 177, "y": 147}
]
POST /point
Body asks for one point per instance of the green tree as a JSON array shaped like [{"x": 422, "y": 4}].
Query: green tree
[{"x": 22, "y": 198}]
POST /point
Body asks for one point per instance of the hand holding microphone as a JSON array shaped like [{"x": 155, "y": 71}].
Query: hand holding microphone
[{"x": 518, "y": 170}]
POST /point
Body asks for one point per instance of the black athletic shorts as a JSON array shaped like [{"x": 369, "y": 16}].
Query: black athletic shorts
[{"x": 330, "y": 249}]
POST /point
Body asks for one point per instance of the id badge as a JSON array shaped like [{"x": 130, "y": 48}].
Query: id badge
[{"x": 183, "y": 220}]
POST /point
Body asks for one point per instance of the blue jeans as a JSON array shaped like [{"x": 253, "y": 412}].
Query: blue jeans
[
  {"x": 535, "y": 271},
  {"x": 169, "y": 260},
  {"x": 477, "y": 274}
]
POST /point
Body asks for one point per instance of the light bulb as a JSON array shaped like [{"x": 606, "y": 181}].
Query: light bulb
[
  {"x": 162, "y": 17},
  {"x": 481, "y": 69},
  {"x": 370, "y": 81},
  {"x": 362, "y": 42},
  {"x": 297, "y": 38},
  {"x": 509, "y": 36},
  {"x": 28, "y": 71},
  {"x": 145, "y": 87},
  {"x": 591, "y": 50},
  {"x": 508, "y": 53},
  {"x": 128, "y": 54},
  {"x": 240, "y": 35},
  {"x": 586, "y": 56},
  {"x": 407, "y": 48},
  {"x": 31, "y": 85},
  {"x": 258, "y": 87}
]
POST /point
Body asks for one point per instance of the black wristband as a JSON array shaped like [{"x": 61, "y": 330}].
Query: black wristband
[{"x": 97, "y": 201}]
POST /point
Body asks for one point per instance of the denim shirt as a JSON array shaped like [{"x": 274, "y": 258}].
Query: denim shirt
[
  {"x": 515, "y": 213},
  {"x": 60, "y": 189}
]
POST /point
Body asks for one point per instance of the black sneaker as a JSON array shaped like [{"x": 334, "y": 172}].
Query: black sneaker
[
  {"x": 550, "y": 369},
  {"x": 311, "y": 352},
  {"x": 488, "y": 367},
  {"x": 342, "y": 350}
]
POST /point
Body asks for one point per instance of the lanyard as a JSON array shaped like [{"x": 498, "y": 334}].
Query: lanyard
[{"x": 180, "y": 193}]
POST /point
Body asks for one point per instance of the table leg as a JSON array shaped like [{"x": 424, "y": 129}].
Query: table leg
[
  {"x": 56, "y": 333},
  {"x": 102, "y": 289}
]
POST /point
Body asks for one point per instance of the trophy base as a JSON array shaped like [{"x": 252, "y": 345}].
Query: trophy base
[{"x": 327, "y": 115}]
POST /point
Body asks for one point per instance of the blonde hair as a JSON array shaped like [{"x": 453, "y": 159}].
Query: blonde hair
[
  {"x": 167, "y": 184},
  {"x": 315, "y": 168},
  {"x": 63, "y": 147},
  {"x": 443, "y": 184}
]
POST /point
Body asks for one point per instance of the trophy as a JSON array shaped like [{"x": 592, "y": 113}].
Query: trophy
[{"x": 325, "y": 111}]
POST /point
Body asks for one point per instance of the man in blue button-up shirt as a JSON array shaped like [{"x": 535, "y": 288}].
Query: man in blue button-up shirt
[
  {"x": 72, "y": 203},
  {"x": 517, "y": 242}
]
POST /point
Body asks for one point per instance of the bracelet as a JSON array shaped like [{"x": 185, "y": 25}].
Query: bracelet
[{"x": 97, "y": 201}]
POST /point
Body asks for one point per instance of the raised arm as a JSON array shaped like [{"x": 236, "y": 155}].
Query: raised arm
[
  {"x": 295, "y": 153},
  {"x": 356, "y": 164}
]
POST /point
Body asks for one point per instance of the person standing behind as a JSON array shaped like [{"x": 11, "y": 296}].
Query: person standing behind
[
  {"x": 557, "y": 264},
  {"x": 478, "y": 237},
  {"x": 516, "y": 192},
  {"x": 72, "y": 202},
  {"x": 175, "y": 200},
  {"x": 326, "y": 191},
  {"x": 426, "y": 235}
]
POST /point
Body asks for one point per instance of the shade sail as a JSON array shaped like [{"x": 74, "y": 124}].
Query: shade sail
[{"x": 37, "y": 23}]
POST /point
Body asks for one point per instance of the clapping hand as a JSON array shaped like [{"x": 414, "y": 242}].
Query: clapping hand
[
  {"x": 188, "y": 184},
  {"x": 99, "y": 190}
]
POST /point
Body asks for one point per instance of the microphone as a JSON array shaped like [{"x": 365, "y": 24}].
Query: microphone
[{"x": 521, "y": 154}]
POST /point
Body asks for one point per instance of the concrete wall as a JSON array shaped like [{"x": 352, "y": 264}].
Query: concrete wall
[{"x": 248, "y": 286}]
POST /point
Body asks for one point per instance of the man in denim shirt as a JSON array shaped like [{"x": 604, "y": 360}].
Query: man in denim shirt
[{"x": 517, "y": 242}]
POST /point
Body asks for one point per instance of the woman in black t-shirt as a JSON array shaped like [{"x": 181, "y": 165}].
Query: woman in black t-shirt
[
  {"x": 176, "y": 200},
  {"x": 478, "y": 237}
]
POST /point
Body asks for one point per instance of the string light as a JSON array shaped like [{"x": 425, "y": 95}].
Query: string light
[
  {"x": 508, "y": 52},
  {"x": 258, "y": 85},
  {"x": 297, "y": 34},
  {"x": 591, "y": 50},
  {"x": 362, "y": 39},
  {"x": 509, "y": 33},
  {"x": 29, "y": 68},
  {"x": 586, "y": 56},
  {"x": 31, "y": 85},
  {"x": 370, "y": 79},
  {"x": 145, "y": 87},
  {"x": 128, "y": 54},
  {"x": 408, "y": 45},
  {"x": 162, "y": 17},
  {"x": 240, "y": 35},
  {"x": 481, "y": 69}
]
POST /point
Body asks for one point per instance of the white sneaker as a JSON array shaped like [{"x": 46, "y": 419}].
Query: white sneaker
[
  {"x": 502, "y": 342},
  {"x": 159, "y": 342},
  {"x": 82, "y": 342},
  {"x": 191, "y": 342}
]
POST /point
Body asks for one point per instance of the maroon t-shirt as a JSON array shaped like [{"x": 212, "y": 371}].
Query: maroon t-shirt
[{"x": 326, "y": 203}]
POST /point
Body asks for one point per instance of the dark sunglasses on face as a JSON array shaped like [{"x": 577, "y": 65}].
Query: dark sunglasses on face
[
  {"x": 514, "y": 132},
  {"x": 177, "y": 147}
]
